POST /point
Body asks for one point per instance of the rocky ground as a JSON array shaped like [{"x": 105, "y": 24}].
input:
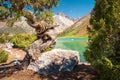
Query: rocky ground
[
  {"x": 15, "y": 54},
  {"x": 8, "y": 71},
  {"x": 81, "y": 72}
]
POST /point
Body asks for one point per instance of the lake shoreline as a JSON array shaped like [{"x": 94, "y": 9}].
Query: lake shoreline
[
  {"x": 76, "y": 44},
  {"x": 72, "y": 37}
]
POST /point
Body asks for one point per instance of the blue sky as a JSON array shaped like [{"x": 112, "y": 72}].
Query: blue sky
[
  {"x": 71, "y": 8},
  {"x": 75, "y": 8}
]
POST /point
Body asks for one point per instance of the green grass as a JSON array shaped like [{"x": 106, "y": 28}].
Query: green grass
[
  {"x": 4, "y": 38},
  {"x": 78, "y": 29},
  {"x": 73, "y": 32}
]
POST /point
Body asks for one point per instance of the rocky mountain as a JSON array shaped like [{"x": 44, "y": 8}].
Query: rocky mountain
[
  {"x": 18, "y": 27},
  {"x": 63, "y": 21},
  {"x": 60, "y": 19},
  {"x": 22, "y": 27},
  {"x": 78, "y": 29}
]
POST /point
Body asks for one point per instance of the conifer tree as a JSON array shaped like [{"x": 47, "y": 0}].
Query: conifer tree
[
  {"x": 103, "y": 51},
  {"x": 33, "y": 10},
  {"x": 38, "y": 14}
]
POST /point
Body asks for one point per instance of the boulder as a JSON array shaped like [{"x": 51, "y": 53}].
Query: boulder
[{"x": 57, "y": 60}]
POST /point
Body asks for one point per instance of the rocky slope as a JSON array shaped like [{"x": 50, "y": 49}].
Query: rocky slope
[
  {"x": 78, "y": 29},
  {"x": 68, "y": 27},
  {"x": 22, "y": 27},
  {"x": 18, "y": 27},
  {"x": 63, "y": 21}
]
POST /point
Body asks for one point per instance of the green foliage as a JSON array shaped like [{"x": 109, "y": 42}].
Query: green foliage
[
  {"x": 48, "y": 49},
  {"x": 5, "y": 38},
  {"x": 23, "y": 41},
  {"x": 47, "y": 16},
  {"x": 3, "y": 56},
  {"x": 103, "y": 51},
  {"x": 17, "y": 9},
  {"x": 71, "y": 33}
]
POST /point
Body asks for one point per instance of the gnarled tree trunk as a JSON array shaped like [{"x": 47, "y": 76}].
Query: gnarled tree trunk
[{"x": 45, "y": 39}]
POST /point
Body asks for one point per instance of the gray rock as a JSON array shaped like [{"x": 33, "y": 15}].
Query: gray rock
[
  {"x": 6, "y": 45},
  {"x": 9, "y": 45},
  {"x": 57, "y": 60}
]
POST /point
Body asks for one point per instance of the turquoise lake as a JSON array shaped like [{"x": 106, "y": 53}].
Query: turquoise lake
[{"x": 77, "y": 44}]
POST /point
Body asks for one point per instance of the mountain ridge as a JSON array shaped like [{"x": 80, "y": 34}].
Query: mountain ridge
[
  {"x": 78, "y": 29},
  {"x": 63, "y": 20},
  {"x": 66, "y": 24}
]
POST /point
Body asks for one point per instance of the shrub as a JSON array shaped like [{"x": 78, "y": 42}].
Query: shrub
[
  {"x": 4, "y": 38},
  {"x": 3, "y": 56},
  {"x": 23, "y": 41}
]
